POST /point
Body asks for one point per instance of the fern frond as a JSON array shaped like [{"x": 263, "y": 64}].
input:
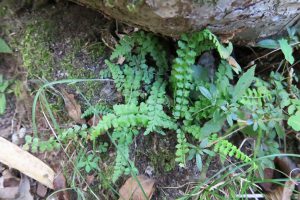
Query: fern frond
[
  {"x": 98, "y": 109},
  {"x": 191, "y": 46},
  {"x": 105, "y": 73},
  {"x": 181, "y": 148},
  {"x": 157, "y": 117},
  {"x": 226, "y": 148},
  {"x": 121, "y": 161},
  {"x": 117, "y": 75},
  {"x": 256, "y": 97},
  {"x": 125, "y": 116},
  {"x": 124, "y": 48},
  {"x": 194, "y": 130},
  {"x": 134, "y": 74}
]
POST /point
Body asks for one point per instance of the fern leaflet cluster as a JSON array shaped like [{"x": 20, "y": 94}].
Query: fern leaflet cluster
[
  {"x": 226, "y": 148},
  {"x": 181, "y": 148},
  {"x": 191, "y": 46},
  {"x": 98, "y": 109}
]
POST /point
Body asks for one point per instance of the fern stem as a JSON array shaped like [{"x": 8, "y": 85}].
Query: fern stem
[
  {"x": 195, "y": 113},
  {"x": 258, "y": 143},
  {"x": 205, "y": 169}
]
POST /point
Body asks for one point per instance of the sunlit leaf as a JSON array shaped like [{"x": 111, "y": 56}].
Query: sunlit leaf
[
  {"x": 294, "y": 121},
  {"x": 287, "y": 50},
  {"x": 268, "y": 44},
  {"x": 205, "y": 92},
  {"x": 4, "y": 48},
  {"x": 2, "y": 103},
  {"x": 243, "y": 84},
  {"x": 199, "y": 162}
]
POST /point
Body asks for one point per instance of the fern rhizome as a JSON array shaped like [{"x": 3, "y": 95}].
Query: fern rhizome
[{"x": 200, "y": 111}]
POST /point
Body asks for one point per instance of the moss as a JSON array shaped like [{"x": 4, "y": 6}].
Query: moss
[
  {"x": 163, "y": 161},
  {"x": 46, "y": 55},
  {"x": 37, "y": 58}
]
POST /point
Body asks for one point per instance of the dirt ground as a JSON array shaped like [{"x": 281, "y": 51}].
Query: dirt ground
[{"x": 61, "y": 40}]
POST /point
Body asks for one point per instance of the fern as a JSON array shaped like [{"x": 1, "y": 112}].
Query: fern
[
  {"x": 182, "y": 148},
  {"x": 133, "y": 74},
  {"x": 145, "y": 43},
  {"x": 105, "y": 73},
  {"x": 123, "y": 164},
  {"x": 157, "y": 117},
  {"x": 124, "y": 48},
  {"x": 256, "y": 97},
  {"x": 121, "y": 161},
  {"x": 98, "y": 109},
  {"x": 117, "y": 75},
  {"x": 193, "y": 129},
  {"x": 128, "y": 115},
  {"x": 123, "y": 138},
  {"x": 226, "y": 148},
  {"x": 64, "y": 137},
  {"x": 191, "y": 46}
]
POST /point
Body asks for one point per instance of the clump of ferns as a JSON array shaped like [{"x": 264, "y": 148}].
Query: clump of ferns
[
  {"x": 145, "y": 107},
  {"x": 191, "y": 46}
]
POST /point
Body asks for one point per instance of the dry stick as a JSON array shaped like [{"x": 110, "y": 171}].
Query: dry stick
[
  {"x": 54, "y": 133},
  {"x": 270, "y": 53}
]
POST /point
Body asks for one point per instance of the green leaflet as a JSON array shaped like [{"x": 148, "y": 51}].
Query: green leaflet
[
  {"x": 243, "y": 84},
  {"x": 4, "y": 48},
  {"x": 268, "y": 44},
  {"x": 2, "y": 103},
  {"x": 287, "y": 50},
  {"x": 294, "y": 121},
  {"x": 212, "y": 126},
  {"x": 99, "y": 109}
]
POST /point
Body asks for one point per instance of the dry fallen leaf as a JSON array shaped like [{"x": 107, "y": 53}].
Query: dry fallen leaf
[
  {"x": 9, "y": 193},
  {"x": 234, "y": 63},
  {"x": 8, "y": 180},
  {"x": 121, "y": 60},
  {"x": 73, "y": 108},
  {"x": 41, "y": 190},
  {"x": 268, "y": 174},
  {"x": 283, "y": 192},
  {"x": 18, "y": 192},
  {"x": 24, "y": 189},
  {"x": 93, "y": 121},
  {"x": 15, "y": 157},
  {"x": 60, "y": 184},
  {"x": 131, "y": 190},
  {"x": 287, "y": 192}
]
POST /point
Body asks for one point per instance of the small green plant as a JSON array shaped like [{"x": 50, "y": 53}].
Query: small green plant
[
  {"x": 88, "y": 162},
  {"x": 286, "y": 45},
  {"x": 64, "y": 137},
  {"x": 4, "y": 48},
  {"x": 36, "y": 145},
  {"x": 3, "y": 87},
  {"x": 199, "y": 151}
]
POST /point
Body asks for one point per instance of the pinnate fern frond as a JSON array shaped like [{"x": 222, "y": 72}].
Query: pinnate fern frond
[
  {"x": 181, "y": 148},
  {"x": 190, "y": 46},
  {"x": 98, "y": 109},
  {"x": 226, "y": 148}
]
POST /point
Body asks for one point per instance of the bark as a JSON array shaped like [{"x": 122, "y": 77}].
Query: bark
[{"x": 238, "y": 19}]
